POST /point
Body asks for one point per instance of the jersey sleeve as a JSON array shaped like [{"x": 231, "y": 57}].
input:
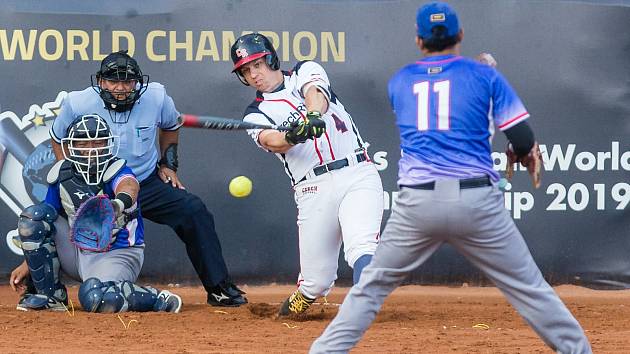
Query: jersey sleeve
[
  {"x": 123, "y": 174},
  {"x": 53, "y": 197},
  {"x": 310, "y": 73},
  {"x": 254, "y": 115},
  {"x": 392, "y": 90},
  {"x": 62, "y": 122},
  {"x": 507, "y": 108},
  {"x": 170, "y": 119}
]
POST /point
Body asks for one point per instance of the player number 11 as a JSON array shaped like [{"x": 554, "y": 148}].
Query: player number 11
[{"x": 443, "y": 90}]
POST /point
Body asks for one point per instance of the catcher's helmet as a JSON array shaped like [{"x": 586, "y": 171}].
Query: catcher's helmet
[
  {"x": 250, "y": 47},
  {"x": 90, "y": 147},
  {"x": 119, "y": 66}
]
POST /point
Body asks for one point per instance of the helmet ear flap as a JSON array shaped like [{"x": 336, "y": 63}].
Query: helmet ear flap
[
  {"x": 272, "y": 61},
  {"x": 241, "y": 77}
]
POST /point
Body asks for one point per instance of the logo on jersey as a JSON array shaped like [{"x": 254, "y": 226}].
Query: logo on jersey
[
  {"x": 81, "y": 194},
  {"x": 295, "y": 116},
  {"x": 434, "y": 70},
  {"x": 437, "y": 17},
  {"x": 25, "y": 157},
  {"x": 309, "y": 190},
  {"x": 241, "y": 52}
]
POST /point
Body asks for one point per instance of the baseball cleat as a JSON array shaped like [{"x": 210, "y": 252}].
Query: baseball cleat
[
  {"x": 226, "y": 294},
  {"x": 38, "y": 302},
  {"x": 168, "y": 302},
  {"x": 295, "y": 304}
]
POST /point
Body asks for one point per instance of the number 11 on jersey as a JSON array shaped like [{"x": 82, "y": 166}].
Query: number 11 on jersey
[{"x": 443, "y": 91}]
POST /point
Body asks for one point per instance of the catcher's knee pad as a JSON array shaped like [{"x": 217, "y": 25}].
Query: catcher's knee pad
[
  {"x": 36, "y": 225},
  {"x": 139, "y": 298},
  {"x": 103, "y": 297},
  {"x": 42, "y": 211}
]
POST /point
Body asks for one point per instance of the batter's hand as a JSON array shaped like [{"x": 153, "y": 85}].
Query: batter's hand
[
  {"x": 486, "y": 58},
  {"x": 298, "y": 134},
  {"x": 169, "y": 176},
  {"x": 317, "y": 127},
  {"x": 16, "y": 280}
]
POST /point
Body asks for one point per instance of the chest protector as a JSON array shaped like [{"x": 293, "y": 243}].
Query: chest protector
[{"x": 73, "y": 190}]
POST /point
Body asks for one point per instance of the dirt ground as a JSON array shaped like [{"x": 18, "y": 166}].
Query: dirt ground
[{"x": 414, "y": 319}]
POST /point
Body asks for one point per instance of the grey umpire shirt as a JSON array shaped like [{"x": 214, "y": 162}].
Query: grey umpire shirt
[{"x": 155, "y": 109}]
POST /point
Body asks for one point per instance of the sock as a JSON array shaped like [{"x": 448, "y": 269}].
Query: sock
[{"x": 361, "y": 263}]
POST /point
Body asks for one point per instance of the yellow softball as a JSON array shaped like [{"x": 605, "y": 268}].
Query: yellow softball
[{"x": 240, "y": 187}]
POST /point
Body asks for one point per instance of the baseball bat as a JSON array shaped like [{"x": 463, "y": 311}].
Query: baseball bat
[{"x": 218, "y": 123}]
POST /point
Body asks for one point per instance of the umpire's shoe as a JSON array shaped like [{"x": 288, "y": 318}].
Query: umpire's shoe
[
  {"x": 226, "y": 294},
  {"x": 295, "y": 304},
  {"x": 168, "y": 302}
]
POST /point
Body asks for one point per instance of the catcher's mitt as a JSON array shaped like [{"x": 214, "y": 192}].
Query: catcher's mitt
[
  {"x": 533, "y": 162},
  {"x": 93, "y": 225}
]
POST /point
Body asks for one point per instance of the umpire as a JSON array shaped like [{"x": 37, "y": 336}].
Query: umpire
[{"x": 137, "y": 111}]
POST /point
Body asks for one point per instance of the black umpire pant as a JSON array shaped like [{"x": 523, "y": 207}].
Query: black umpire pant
[{"x": 186, "y": 214}]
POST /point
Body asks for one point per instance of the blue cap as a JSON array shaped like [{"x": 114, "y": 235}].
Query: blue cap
[{"x": 436, "y": 14}]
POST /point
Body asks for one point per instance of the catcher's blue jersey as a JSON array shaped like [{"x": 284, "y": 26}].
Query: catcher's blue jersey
[
  {"x": 66, "y": 200},
  {"x": 446, "y": 109}
]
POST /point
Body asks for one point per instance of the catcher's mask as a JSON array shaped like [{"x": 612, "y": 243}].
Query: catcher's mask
[
  {"x": 250, "y": 47},
  {"x": 90, "y": 147},
  {"x": 120, "y": 67}
]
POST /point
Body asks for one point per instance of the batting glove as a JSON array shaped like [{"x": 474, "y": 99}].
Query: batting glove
[
  {"x": 317, "y": 126},
  {"x": 298, "y": 134}
]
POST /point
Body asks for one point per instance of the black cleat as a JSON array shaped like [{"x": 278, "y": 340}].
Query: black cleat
[{"x": 226, "y": 294}]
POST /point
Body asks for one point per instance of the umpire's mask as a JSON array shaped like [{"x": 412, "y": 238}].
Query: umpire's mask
[{"x": 125, "y": 84}]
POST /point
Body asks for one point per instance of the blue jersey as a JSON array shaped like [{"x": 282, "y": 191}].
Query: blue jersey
[
  {"x": 66, "y": 197},
  {"x": 447, "y": 108},
  {"x": 155, "y": 109}
]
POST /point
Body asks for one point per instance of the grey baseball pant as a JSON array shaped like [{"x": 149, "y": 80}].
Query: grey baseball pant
[
  {"x": 115, "y": 265},
  {"x": 476, "y": 223}
]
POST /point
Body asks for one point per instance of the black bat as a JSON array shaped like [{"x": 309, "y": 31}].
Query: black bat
[{"x": 218, "y": 123}]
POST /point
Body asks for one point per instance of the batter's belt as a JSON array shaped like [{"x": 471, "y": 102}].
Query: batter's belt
[
  {"x": 466, "y": 183},
  {"x": 335, "y": 165}
]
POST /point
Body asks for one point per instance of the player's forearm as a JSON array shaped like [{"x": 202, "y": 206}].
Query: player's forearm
[
  {"x": 56, "y": 147},
  {"x": 166, "y": 138},
  {"x": 128, "y": 186},
  {"x": 274, "y": 141},
  {"x": 315, "y": 100}
]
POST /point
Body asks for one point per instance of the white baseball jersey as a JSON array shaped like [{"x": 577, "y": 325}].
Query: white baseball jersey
[
  {"x": 286, "y": 105},
  {"x": 341, "y": 205}
]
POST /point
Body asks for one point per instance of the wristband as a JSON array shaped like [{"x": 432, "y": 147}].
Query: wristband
[
  {"x": 125, "y": 200},
  {"x": 169, "y": 159}
]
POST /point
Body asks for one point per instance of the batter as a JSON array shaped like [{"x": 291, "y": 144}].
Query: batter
[{"x": 338, "y": 190}]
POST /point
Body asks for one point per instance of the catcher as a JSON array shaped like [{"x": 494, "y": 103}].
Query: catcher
[{"x": 90, "y": 226}]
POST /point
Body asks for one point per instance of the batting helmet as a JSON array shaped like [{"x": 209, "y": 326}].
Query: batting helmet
[
  {"x": 250, "y": 47},
  {"x": 119, "y": 66},
  {"x": 91, "y": 146}
]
